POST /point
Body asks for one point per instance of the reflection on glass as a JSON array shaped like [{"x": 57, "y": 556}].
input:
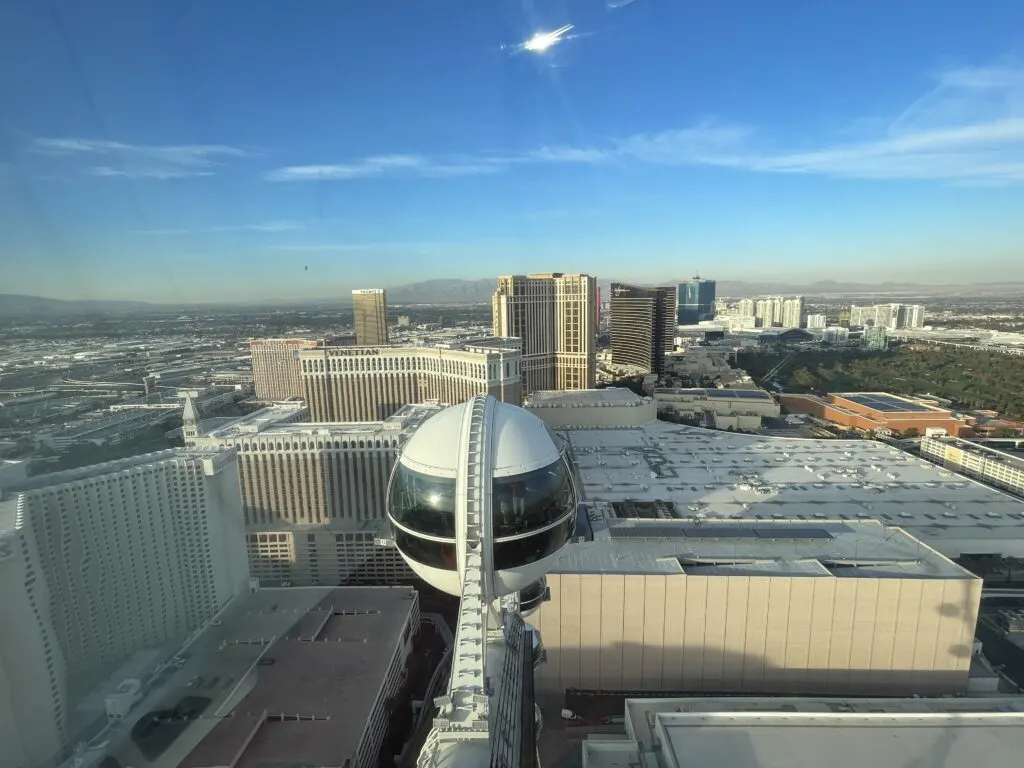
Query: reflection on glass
[
  {"x": 520, "y": 552},
  {"x": 423, "y": 503},
  {"x": 436, "y": 554},
  {"x": 523, "y": 503}
]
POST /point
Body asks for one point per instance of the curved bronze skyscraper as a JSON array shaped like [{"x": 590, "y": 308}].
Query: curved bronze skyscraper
[{"x": 643, "y": 322}]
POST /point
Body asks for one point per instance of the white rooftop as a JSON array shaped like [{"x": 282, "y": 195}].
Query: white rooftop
[
  {"x": 269, "y": 425},
  {"x": 861, "y": 549},
  {"x": 782, "y": 732},
  {"x": 710, "y": 475},
  {"x": 257, "y": 421},
  {"x": 583, "y": 398}
]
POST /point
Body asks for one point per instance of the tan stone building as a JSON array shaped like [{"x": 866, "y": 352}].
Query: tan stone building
[
  {"x": 555, "y": 316},
  {"x": 370, "y": 309},
  {"x": 275, "y": 367},
  {"x": 772, "y": 607},
  {"x": 372, "y": 383},
  {"x": 313, "y": 494}
]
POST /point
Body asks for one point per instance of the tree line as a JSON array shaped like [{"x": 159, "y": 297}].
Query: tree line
[{"x": 972, "y": 379}]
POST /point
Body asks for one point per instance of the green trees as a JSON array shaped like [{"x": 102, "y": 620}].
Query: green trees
[{"x": 971, "y": 378}]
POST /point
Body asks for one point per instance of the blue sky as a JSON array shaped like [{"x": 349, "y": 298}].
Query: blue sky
[{"x": 247, "y": 149}]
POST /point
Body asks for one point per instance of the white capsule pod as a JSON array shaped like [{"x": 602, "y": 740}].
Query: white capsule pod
[{"x": 528, "y": 484}]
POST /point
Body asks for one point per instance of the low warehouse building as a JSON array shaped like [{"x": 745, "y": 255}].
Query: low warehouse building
[
  {"x": 876, "y": 411},
  {"x": 741, "y": 409},
  {"x": 757, "y": 607}
]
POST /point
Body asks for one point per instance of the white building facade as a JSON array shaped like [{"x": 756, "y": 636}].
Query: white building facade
[
  {"x": 889, "y": 316},
  {"x": 816, "y": 321},
  {"x": 793, "y": 312},
  {"x": 99, "y": 562}
]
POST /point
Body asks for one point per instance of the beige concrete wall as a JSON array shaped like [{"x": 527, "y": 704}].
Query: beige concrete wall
[
  {"x": 757, "y": 633},
  {"x": 598, "y": 416}
]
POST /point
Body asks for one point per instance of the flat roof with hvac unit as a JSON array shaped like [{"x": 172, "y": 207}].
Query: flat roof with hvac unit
[
  {"x": 295, "y": 676},
  {"x": 722, "y": 394},
  {"x": 663, "y": 470},
  {"x": 864, "y": 549}
]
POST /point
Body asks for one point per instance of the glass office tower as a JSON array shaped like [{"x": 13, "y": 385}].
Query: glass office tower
[{"x": 695, "y": 301}]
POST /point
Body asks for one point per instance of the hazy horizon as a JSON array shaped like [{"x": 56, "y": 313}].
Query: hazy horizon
[{"x": 341, "y": 292}]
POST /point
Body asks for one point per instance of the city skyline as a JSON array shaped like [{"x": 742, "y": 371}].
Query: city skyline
[{"x": 279, "y": 153}]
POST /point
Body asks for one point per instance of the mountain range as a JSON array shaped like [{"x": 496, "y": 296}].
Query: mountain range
[{"x": 455, "y": 291}]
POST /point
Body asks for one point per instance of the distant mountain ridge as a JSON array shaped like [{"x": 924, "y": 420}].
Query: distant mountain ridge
[
  {"x": 456, "y": 291},
  {"x": 19, "y": 304}
]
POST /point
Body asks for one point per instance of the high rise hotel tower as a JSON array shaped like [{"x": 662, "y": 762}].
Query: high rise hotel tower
[
  {"x": 555, "y": 316},
  {"x": 370, "y": 306}
]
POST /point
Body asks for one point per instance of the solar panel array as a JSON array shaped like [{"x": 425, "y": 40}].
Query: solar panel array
[
  {"x": 743, "y": 394},
  {"x": 885, "y": 403},
  {"x": 734, "y": 394},
  {"x": 718, "y": 532}
]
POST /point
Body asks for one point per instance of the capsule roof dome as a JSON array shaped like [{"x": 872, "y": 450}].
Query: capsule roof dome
[{"x": 520, "y": 442}]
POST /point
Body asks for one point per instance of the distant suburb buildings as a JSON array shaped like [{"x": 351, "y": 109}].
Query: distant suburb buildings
[
  {"x": 695, "y": 301},
  {"x": 774, "y": 311},
  {"x": 891, "y": 316},
  {"x": 555, "y": 316},
  {"x": 275, "y": 367},
  {"x": 97, "y": 563},
  {"x": 370, "y": 307},
  {"x": 643, "y": 322},
  {"x": 372, "y": 383}
]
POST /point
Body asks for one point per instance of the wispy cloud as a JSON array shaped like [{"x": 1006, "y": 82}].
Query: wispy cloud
[
  {"x": 139, "y": 161},
  {"x": 357, "y": 247},
  {"x": 967, "y": 129},
  {"x": 398, "y": 247},
  {"x": 280, "y": 225},
  {"x": 161, "y": 232},
  {"x": 384, "y": 165}
]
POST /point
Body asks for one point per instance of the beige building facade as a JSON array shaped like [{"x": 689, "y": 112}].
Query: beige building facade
[
  {"x": 324, "y": 555},
  {"x": 997, "y": 468},
  {"x": 555, "y": 316},
  {"x": 314, "y": 496},
  {"x": 97, "y": 563},
  {"x": 370, "y": 309},
  {"x": 275, "y": 367},
  {"x": 372, "y": 383},
  {"x": 620, "y": 618}
]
